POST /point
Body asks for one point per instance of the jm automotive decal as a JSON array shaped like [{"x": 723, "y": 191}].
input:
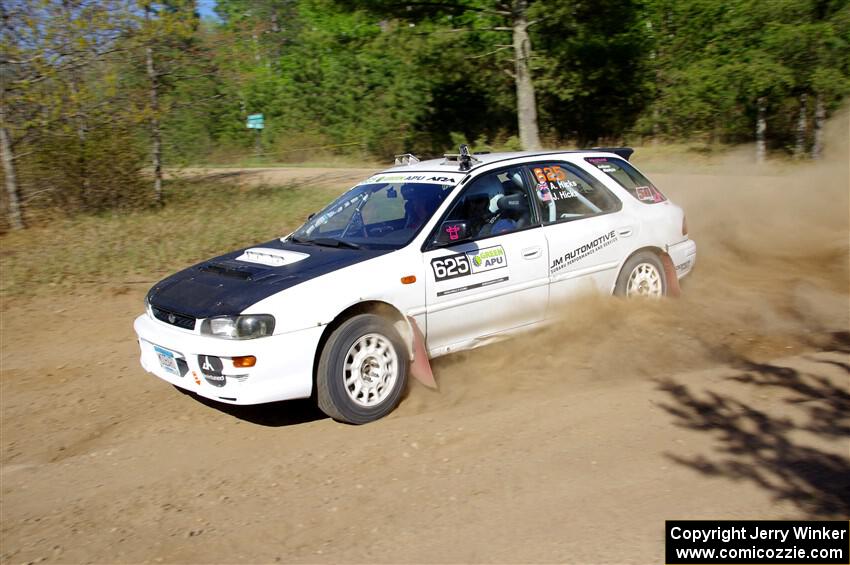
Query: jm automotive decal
[
  {"x": 471, "y": 262},
  {"x": 583, "y": 251}
]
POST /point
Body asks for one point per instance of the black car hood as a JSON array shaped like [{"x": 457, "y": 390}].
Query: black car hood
[{"x": 224, "y": 286}]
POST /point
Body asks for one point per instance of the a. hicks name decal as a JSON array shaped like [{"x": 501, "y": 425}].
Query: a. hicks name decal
[
  {"x": 583, "y": 251},
  {"x": 553, "y": 184},
  {"x": 469, "y": 263}
]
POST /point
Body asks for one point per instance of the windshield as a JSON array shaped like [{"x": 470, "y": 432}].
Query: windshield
[{"x": 375, "y": 215}]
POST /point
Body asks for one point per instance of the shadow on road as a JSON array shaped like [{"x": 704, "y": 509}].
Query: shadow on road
[
  {"x": 273, "y": 414},
  {"x": 766, "y": 449}
]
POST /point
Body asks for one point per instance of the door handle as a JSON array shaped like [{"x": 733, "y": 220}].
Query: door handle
[
  {"x": 625, "y": 232},
  {"x": 532, "y": 252}
]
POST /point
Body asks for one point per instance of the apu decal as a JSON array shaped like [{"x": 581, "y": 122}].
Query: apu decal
[
  {"x": 471, "y": 262},
  {"x": 488, "y": 259},
  {"x": 381, "y": 178}
]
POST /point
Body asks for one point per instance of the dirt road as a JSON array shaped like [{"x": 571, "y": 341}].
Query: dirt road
[
  {"x": 315, "y": 177},
  {"x": 570, "y": 445}
]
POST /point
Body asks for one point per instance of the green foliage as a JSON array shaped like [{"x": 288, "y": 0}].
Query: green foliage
[
  {"x": 370, "y": 78},
  {"x": 592, "y": 69},
  {"x": 712, "y": 61},
  {"x": 89, "y": 248}
]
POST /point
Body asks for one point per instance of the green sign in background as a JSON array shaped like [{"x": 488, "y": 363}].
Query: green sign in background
[{"x": 255, "y": 121}]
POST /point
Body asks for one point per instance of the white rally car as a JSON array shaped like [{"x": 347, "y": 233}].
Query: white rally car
[{"x": 423, "y": 259}]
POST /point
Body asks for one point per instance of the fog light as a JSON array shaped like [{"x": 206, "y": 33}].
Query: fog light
[{"x": 246, "y": 361}]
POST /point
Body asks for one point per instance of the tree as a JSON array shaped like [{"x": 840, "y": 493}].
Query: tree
[
  {"x": 593, "y": 76},
  {"x": 166, "y": 35},
  {"x": 47, "y": 45},
  {"x": 488, "y": 20},
  {"x": 12, "y": 66}
]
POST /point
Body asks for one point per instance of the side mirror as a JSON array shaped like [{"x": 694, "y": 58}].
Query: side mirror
[
  {"x": 311, "y": 216},
  {"x": 451, "y": 232}
]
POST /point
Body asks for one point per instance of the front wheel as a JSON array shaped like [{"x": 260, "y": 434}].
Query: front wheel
[
  {"x": 362, "y": 370},
  {"x": 642, "y": 275}
]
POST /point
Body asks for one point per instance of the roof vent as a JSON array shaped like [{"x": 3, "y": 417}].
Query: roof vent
[{"x": 406, "y": 159}]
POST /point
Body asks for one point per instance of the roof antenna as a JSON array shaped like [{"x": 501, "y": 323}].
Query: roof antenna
[{"x": 464, "y": 159}]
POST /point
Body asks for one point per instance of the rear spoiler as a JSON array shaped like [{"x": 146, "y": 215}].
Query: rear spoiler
[{"x": 624, "y": 152}]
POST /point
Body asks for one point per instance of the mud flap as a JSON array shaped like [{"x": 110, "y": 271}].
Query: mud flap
[
  {"x": 420, "y": 369},
  {"x": 673, "y": 288}
]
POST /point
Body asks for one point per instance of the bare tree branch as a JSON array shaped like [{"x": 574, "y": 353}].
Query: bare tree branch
[{"x": 493, "y": 52}]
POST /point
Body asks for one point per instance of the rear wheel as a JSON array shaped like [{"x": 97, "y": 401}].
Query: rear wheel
[
  {"x": 642, "y": 275},
  {"x": 362, "y": 370}
]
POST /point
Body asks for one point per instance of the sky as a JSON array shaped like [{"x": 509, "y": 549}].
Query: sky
[{"x": 206, "y": 7}]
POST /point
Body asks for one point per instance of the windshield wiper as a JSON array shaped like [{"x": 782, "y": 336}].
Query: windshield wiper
[
  {"x": 332, "y": 242},
  {"x": 294, "y": 239}
]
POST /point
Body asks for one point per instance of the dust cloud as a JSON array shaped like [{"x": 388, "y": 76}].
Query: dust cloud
[{"x": 771, "y": 279}]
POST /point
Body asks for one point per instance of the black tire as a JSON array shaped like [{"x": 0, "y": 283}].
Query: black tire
[
  {"x": 637, "y": 260},
  {"x": 334, "y": 396}
]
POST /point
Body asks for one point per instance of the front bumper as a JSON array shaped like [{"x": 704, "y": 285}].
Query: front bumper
[
  {"x": 684, "y": 255},
  {"x": 283, "y": 370}
]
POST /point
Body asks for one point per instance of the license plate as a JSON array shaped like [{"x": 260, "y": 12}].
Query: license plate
[{"x": 167, "y": 360}]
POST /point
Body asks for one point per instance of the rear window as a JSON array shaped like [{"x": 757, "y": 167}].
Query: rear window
[
  {"x": 565, "y": 192},
  {"x": 629, "y": 178}
]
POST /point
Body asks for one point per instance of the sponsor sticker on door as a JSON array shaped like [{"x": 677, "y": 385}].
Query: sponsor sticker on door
[
  {"x": 487, "y": 259},
  {"x": 469, "y": 263}
]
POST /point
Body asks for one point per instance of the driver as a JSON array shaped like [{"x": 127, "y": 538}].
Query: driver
[{"x": 419, "y": 205}]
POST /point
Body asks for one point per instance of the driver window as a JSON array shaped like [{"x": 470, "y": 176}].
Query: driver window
[{"x": 493, "y": 204}]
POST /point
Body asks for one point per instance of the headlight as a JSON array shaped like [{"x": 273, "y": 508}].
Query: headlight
[{"x": 239, "y": 327}]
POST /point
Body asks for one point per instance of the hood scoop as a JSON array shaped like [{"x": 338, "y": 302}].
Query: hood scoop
[
  {"x": 271, "y": 257},
  {"x": 226, "y": 270}
]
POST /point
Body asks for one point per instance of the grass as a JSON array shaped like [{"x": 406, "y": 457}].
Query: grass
[
  {"x": 202, "y": 219},
  {"x": 259, "y": 163}
]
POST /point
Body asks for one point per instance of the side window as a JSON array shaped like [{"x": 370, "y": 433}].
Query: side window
[
  {"x": 565, "y": 192},
  {"x": 629, "y": 178},
  {"x": 493, "y": 204}
]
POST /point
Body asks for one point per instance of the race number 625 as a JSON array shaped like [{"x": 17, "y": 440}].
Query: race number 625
[{"x": 450, "y": 267}]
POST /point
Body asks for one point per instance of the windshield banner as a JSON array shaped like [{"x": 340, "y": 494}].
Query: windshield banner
[{"x": 431, "y": 178}]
